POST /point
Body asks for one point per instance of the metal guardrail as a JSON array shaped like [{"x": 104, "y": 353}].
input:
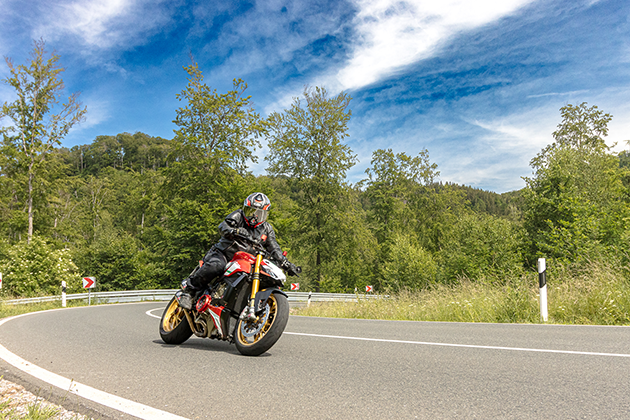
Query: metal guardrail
[{"x": 297, "y": 298}]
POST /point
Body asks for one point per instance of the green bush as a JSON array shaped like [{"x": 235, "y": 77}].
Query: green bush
[
  {"x": 119, "y": 262},
  {"x": 407, "y": 265},
  {"x": 481, "y": 245},
  {"x": 36, "y": 269}
]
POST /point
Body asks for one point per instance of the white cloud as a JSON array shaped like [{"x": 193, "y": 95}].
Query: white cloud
[
  {"x": 393, "y": 34},
  {"x": 102, "y": 24}
]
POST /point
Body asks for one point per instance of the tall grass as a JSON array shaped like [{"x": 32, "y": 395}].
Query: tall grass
[{"x": 595, "y": 293}]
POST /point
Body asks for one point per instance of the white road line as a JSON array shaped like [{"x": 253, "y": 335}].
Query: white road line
[
  {"x": 154, "y": 316},
  {"x": 112, "y": 401},
  {"x": 424, "y": 343},
  {"x": 381, "y": 340}
]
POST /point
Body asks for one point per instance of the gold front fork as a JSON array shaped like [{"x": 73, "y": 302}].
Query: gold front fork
[{"x": 255, "y": 282}]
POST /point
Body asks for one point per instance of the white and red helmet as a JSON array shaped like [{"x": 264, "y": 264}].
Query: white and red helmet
[{"x": 256, "y": 209}]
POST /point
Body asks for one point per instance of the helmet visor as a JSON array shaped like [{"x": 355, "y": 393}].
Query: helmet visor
[{"x": 256, "y": 215}]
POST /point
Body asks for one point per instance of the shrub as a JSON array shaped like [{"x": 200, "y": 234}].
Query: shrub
[{"x": 36, "y": 269}]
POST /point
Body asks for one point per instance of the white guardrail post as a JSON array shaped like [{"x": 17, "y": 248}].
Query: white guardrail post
[
  {"x": 63, "y": 294},
  {"x": 542, "y": 283}
]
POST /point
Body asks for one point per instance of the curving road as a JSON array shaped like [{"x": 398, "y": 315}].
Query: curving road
[{"x": 331, "y": 368}]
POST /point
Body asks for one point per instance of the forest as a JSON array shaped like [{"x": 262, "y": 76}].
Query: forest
[{"x": 138, "y": 212}]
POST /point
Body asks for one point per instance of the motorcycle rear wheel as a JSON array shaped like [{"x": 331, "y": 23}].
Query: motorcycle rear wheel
[
  {"x": 174, "y": 327},
  {"x": 255, "y": 338}
]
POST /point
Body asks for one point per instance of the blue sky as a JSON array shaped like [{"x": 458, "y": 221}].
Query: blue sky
[{"x": 477, "y": 83}]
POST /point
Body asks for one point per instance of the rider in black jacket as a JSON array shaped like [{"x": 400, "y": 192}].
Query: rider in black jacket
[{"x": 239, "y": 231}]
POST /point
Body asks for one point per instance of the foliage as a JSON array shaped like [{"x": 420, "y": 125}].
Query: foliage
[
  {"x": 595, "y": 293},
  {"x": 406, "y": 265},
  {"x": 394, "y": 180},
  {"x": 480, "y": 245},
  {"x": 576, "y": 202},
  {"x": 37, "y": 268},
  {"x": 507, "y": 204},
  {"x": 118, "y": 262},
  {"x": 137, "y": 152},
  {"x": 37, "y": 131},
  {"x": 216, "y": 127},
  {"x": 306, "y": 146}
]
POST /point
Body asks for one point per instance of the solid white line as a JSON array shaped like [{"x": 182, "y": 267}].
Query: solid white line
[
  {"x": 381, "y": 340},
  {"x": 424, "y": 343},
  {"x": 112, "y": 401}
]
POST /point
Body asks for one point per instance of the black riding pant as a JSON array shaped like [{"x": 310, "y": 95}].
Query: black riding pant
[{"x": 214, "y": 263}]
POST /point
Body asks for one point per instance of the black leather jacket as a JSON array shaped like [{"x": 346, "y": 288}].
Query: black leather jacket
[{"x": 229, "y": 244}]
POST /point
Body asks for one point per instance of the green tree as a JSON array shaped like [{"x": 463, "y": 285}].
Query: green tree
[
  {"x": 576, "y": 203},
  {"x": 37, "y": 129},
  {"x": 306, "y": 145},
  {"x": 217, "y": 127},
  {"x": 394, "y": 179},
  {"x": 206, "y": 177},
  {"x": 481, "y": 245}
]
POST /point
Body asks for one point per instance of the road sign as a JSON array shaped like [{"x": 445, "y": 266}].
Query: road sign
[
  {"x": 89, "y": 282},
  {"x": 295, "y": 286},
  {"x": 369, "y": 289}
]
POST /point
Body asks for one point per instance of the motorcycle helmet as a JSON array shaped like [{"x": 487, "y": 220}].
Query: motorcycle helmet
[{"x": 256, "y": 209}]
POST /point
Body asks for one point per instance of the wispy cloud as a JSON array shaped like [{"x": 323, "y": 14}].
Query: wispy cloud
[
  {"x": 393, "y": 34},
  {"x": 571, "y": 93},
  {"x": 101, "y": 24}
]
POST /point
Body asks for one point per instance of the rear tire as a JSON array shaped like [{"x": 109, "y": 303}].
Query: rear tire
[
  {"x": 255, "y": 338},
  {"x": 174, "y": 327}
]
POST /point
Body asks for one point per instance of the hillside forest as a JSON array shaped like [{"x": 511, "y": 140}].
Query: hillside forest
[{"x": 138, "y": 212}]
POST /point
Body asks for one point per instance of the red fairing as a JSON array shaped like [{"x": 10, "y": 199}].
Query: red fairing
[{"x": 241, "y": 262}]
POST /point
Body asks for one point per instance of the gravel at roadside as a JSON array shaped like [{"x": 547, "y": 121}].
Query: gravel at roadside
[{"x": 18, "y": 400}]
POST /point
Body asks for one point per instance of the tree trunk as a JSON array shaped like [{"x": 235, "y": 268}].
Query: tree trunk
[{"x": 30, "y": 203}]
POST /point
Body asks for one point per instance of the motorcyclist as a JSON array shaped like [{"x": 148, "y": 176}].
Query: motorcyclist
[{"x": 239, "y": 231}]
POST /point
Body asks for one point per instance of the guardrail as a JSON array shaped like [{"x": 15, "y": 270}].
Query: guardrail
[{"x": 295, "y": 298}]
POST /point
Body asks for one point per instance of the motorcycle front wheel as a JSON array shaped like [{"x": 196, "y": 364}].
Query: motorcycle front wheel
[
  {"x": 255, "y": 338},
  {"x": 174, "y": 327}
]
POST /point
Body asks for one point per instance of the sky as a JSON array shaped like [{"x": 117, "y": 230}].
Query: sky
[{"x": 477, "y": 83}]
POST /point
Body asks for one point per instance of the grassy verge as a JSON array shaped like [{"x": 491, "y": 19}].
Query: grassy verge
[
  {"x": 596, "y": 294},
  {"x": 12, "y": 310}
]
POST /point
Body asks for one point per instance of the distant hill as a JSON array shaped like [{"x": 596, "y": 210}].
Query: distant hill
[{"x": 509, "y": 204}]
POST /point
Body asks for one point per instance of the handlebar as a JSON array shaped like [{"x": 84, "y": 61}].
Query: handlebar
[{"x": 257, "y": 244}]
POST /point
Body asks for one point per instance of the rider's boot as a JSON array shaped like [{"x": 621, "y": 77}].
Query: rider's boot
[{"x": 188, "y": 294}]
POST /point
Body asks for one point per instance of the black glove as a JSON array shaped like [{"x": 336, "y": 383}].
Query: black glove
[
  {"x": 292, "y": 269},
  {"x": 242, "y": 233}
]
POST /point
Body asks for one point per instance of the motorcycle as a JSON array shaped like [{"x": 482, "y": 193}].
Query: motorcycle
[{"x": 245, "y": 307}]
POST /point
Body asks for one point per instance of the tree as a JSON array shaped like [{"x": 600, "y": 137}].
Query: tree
[
  {"x": 576, "y": 203},
  {"x": 207, "y": 175},
  {"x": 393, "y": 181},
  {"x": 305, "y": 144},
  {"x": 582, "y": 128},
  {"x": 37, "y": 129},
  {"x": 217, "y": 127},
  {"x": 481, "y": 245}
]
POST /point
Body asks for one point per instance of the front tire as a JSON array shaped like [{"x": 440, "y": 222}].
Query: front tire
[
  {"x": 174, "y": 327},
  {"x": 255, "y": 338}
]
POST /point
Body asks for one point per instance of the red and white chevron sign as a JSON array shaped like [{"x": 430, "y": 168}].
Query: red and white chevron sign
[
  {"x": 295, "y": 286},
  {"x": 369, "y": 289},
  {"x": 89, "y": 282}
]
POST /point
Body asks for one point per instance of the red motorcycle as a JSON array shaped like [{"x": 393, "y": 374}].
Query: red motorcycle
[{"x": 245, "y": 307}]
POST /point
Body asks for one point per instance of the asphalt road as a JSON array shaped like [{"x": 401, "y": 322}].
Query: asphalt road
[{"x": 335, "y": 369}]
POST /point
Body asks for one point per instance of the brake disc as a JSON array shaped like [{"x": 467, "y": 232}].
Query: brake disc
[{"x": 250, "y": 329}]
